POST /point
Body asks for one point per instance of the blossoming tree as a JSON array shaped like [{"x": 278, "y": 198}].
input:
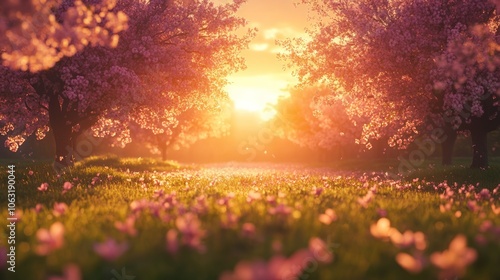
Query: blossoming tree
[
  {"x": 35, "y": 34},
  {"x": 171, "y": 51},
  {"x": 384, "y": 60}
]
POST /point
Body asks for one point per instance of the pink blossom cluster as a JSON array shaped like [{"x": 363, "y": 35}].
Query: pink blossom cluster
[
  {"x": 451, "y": 262},
  {"x": 280, "y": 267},
  {"x": 37, "y": 34}
]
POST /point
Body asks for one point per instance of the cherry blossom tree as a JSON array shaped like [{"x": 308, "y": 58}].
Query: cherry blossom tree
[
  {"x": 383, "y": 58},
  {"x": 470, "y": 84},
  {"x": 35, "y": 34},
  {"x": 311, "y": 117},
  {"x": 170, "y": 51}
]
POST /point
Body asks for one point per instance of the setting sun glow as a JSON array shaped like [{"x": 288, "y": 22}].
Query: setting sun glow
[
  {"x": 257, "y": 96},
  {"x": 264, "y": 80}
]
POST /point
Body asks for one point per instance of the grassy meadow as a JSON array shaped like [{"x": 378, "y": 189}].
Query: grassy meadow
[{"x": 112, "y": 218}]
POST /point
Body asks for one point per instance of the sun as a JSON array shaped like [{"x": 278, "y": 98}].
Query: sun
[
  {"x": 258, "y": 96},
  {"x": 248, "y": 99}
]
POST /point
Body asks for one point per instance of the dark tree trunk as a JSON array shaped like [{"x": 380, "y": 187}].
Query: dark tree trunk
[
  {"x": 480, "y": 127},
  {"x": 64, "y": 147},
  {"x": 63, "y": 116},
  {"x": 448, "y": 145},
  {"x": 479, "y": 146},
  {"x": 62, "y": 135}
]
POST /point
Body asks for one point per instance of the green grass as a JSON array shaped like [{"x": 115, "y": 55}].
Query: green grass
[
  {"x": 430, "y": 170},
  {"x": 94, "y": 208}
]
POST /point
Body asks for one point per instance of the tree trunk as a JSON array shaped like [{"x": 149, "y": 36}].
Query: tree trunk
[
  {"x": 64, "y": 147},
  {"x": 479, "y": 146},
  {"x": 448, "y": 145},
  {"x": 62, "y": 134}
]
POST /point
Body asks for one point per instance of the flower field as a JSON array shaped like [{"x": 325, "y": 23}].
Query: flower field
[{"x": 110, "y": 218}]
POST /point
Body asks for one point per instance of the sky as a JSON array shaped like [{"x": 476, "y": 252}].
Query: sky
[{"x": 265, "y": 80}]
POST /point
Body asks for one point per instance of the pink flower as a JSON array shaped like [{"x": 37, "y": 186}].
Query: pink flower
[
  {"x": 71, "y": 272},
  {"x": 448, "y": 193},
  {"x": 413, "y": 264},
  {"x": 38, "y": 207},
  {"x": 281, "y": 209},
  {"x": 30, "y": 172},
  {"x": 245, "y": 270},
  {"x": 454, "y": 261},
  {"x": 169, "y": 200},
  {"x": 127, "y": 227},
  {"x": 43, "y": 187},
  {"x": 382, "y": 212},
  {"x": 292, "y": 267},
  {"x": 271, "y": 199},
  {"x": 139, "y": 205},
  {"x": 18, "y": 215},
  {"x": 225, "y": 200},
  {"x": 50, "y": 239},
  {"x": 328, "y": 217},
  {"x": 166, "y": 218},
  {"x": 276, "y": 268},
  {"x": 363, "y": 201},
  {"x": 485, "y": 226},
  {"x": 110, "y": 250},
  {"x": 95, "y": 180},
  {"x": 248, "y": 230},
  {"x": 171, "y": 240},
  {"x": 59, "y": 209},
  {"x": 382, "y": 229},
  {"x": 158, "y": 193},
  {"x": 230, "y": 221},
  {"x": 472, "y": 205},
  {"x": 190, "y": 228},
  {"x": 317, "y": 191},
  {"x": 253, "y": 195},
  {"x": 320, "y": 251},
  {"x": 66, "y": 187},
  {"x": 408, "y": 238},
  {"x": 484, "y": 194},
  {"x": 279, "y": 267},
  {"x": 200, "y": 205},
  {"x": 445, "y": 207}
]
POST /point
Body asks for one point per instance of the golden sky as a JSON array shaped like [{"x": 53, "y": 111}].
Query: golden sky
[{"x": 264, "y": 79}]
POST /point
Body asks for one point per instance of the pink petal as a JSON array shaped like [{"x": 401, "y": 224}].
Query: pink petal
[
  {"x": 409, "y": 263},
  {"x": 110, "y": 249}
]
